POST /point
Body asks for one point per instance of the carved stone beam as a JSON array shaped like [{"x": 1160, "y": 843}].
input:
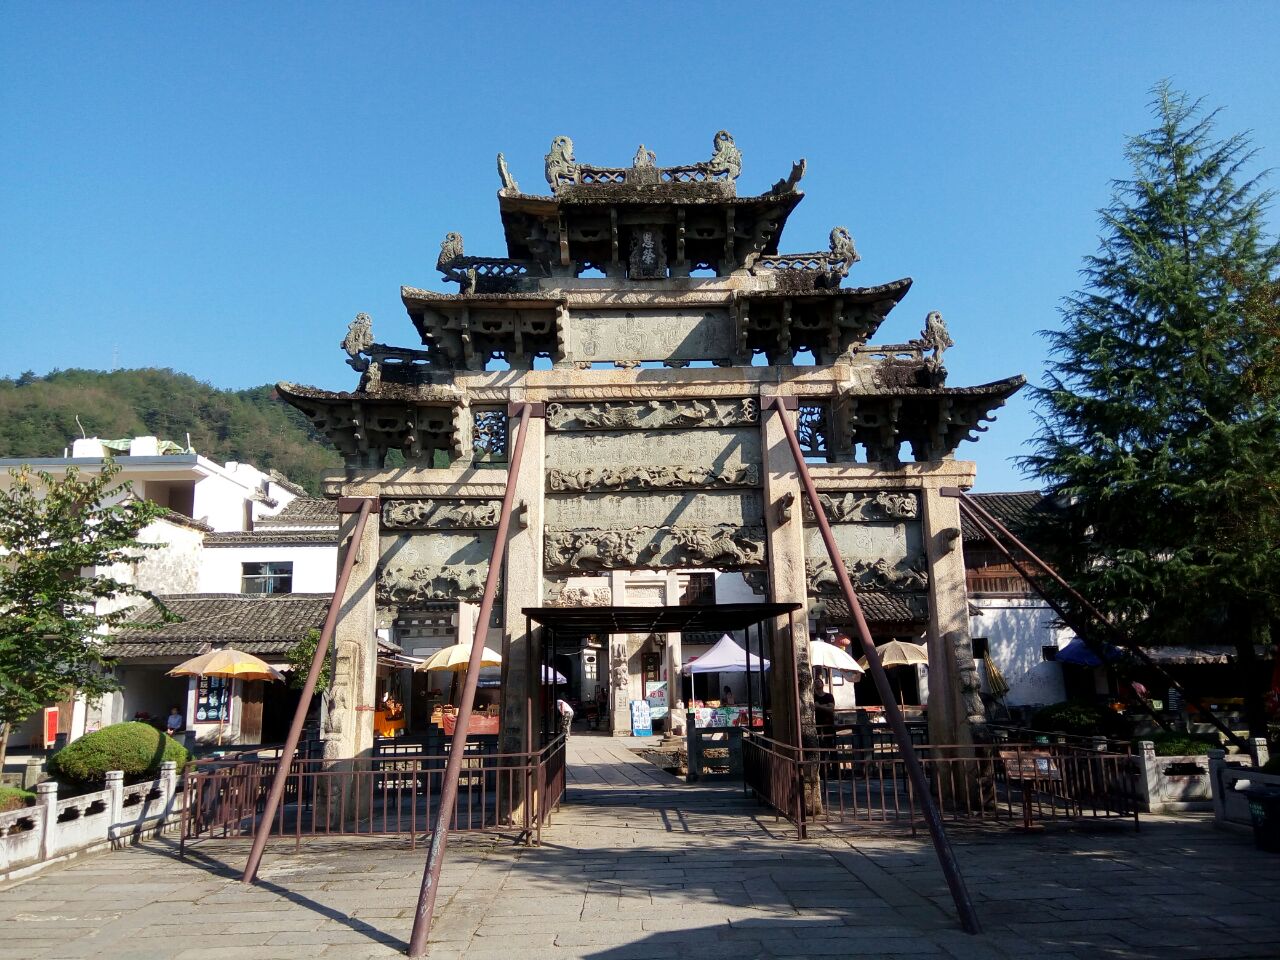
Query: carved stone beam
[{"x": 564, "y": 243}]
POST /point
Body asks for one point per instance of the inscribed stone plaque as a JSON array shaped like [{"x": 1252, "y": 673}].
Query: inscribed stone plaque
[
  {"x": 640, "y": 335},
  {"x": 715, "y": 450},
  {"x": 622, "y": 511}
]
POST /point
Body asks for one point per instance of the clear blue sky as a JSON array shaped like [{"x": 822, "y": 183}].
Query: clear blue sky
[{"x": 219, "y": 188}]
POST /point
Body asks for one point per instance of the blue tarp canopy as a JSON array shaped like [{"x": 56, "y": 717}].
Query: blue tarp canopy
[{"x": 1077, "y": 653}]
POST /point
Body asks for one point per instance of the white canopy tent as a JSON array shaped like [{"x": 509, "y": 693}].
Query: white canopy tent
[{"x": 725, "y": 657}]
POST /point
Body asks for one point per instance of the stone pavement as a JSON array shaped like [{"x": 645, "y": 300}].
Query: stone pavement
[{"x": 638, "y": 865}]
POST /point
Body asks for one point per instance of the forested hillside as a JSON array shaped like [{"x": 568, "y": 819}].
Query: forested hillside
[{"x": 38, "y": 419}]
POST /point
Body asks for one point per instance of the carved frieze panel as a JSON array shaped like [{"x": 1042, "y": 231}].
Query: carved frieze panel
[
  {"x": 722, "y": 450},
  {"x": 416, "y": 568},
  {"x": 855, "y": 506},
  {"x": 582, "y": 597},
  {"x": 909, "y": 575},
  {"x": 586, "y": 479},
  {"x": 720, "y": 547},
  {"x": 608, "y": 511},
  {"x": 640, "y": 335},
  {"x": 654, "y": 414},
  {"x": 877, "y": 551},
  {"x": 440, "y": 514}
]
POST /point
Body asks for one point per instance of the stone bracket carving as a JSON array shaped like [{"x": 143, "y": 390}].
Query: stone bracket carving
[
  {"x": 591, "y": 479},
  {"x": 720, "y": 547},
  {"x": 654, "y": 414},
  {"x": 855, "y": 506},
  {"x": 440, "y": 514},
  {"x": 784, "y": 505},
  {"x": 907, "y": 575}
]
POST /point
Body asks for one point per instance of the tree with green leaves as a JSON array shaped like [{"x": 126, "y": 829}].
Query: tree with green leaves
[
  {"x": 1160, "y": 413},
  {"x": 66, "y": 544}
]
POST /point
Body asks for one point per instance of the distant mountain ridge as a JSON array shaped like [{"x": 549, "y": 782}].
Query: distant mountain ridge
[{"x": 38, "y": 419}]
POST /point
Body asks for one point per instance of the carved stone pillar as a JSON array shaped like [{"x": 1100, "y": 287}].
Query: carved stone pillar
[
  {"x": 948, "y": 633},
  {"x": 349, "y": 730},
  {"x": 521, "y": 678},
  {"x": 783, "y": 497}
]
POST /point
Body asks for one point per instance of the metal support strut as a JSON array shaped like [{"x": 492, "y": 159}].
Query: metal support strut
[
  {"x": 449, "y": 791},
  {"x": 932, "y": 817},
  {"x": 309, "y": 687},
  {"x": 985, "y": 522}
]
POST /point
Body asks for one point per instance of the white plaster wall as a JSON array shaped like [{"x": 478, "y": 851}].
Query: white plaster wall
[
  {"x": 315, "y": 567},
  {"x": 173, "y": 567},
  {"x": 1016, "y": 629},
  {"x": 731, "y": 588}
]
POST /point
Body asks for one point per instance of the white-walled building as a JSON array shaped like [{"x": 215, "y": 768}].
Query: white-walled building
[
  {"x": 1010, "y": 620},
  {"x": 234, "y": 540}
]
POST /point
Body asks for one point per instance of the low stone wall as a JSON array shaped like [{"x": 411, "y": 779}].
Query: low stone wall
[
  {"x": 1229, "y": 781},
  {"x": 1185, "y": 783},
  {"x": 54, "y": 830}
]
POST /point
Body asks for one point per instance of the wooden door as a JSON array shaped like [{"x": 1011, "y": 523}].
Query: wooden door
[{"x": 251, "y": 711}]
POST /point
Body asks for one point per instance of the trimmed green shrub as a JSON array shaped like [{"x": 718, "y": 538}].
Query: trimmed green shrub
[
  {"x": 1183, "y": 745},
  {"x": 1075, "y": 717},
  {"x": 136, "y": 748},
  {"x": 12, "y": 798}
]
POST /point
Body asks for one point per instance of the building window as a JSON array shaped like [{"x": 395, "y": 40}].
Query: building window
[
  {"x": 699, "y": 591},
  {"x": 267, "y": 577}
]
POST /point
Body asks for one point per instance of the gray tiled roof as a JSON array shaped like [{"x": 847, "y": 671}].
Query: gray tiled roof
[
  {"x": 1014, "y": 510},
  {"x": 876, "y": 607},
  {"x": 273, "y": 537},
  {"x": 303, "y": 512},
  {"x": 254, "y": 623}
]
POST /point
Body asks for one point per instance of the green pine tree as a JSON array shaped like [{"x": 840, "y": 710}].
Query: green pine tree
[{"x": 1160, "y": 414}]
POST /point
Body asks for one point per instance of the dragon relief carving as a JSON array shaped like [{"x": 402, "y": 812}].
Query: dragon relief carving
[
  {"x": 842, "y": 247},
  {"x": 853, "y": 506},
  {"x": 586, "y": 479},
  {"x": 718, "y": 547},
  {"x": 654, "y": 414},
  {"x": 559, "y": 163},
  {"x": 911, "y": 574},
  {"x": 582, "y": 597},
  {"x": 444, "y": 514},
  {"x": 725, "y": 157},
  {"x": 401, "y": 585},
  {"x": 509, "y": 185},
  {"x": 359, "y": 338}
]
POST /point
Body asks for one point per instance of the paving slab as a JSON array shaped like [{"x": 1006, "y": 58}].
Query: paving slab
[{"x": 639, "y": 866}]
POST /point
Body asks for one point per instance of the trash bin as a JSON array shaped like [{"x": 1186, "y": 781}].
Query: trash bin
[{"x": 1264, "y": 810}]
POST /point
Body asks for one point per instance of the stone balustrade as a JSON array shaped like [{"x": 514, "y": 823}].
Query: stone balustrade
[
  {"x": 58, "y": 829},
  {"x": 1228, "y": 781}
]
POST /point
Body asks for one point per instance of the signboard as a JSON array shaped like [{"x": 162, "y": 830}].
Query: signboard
[
  {"x": 50, "y": 726},
  {"x": 655, "y": 694},
  {"x": 213, "y": 700},
  {"x": 641, "y": 721},
  {"x": 724, "y": 717}
]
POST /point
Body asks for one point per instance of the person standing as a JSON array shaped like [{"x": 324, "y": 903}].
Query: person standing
[{"x": 566, "y": 717}]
